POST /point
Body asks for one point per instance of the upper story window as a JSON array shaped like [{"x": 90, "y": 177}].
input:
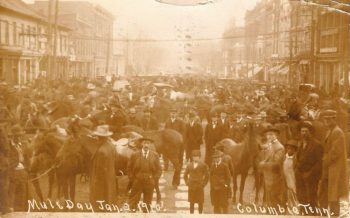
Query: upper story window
[{"x": 4, "y": 32}]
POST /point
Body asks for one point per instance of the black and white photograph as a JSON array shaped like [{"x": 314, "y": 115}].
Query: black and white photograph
[{"x": 174, "y": 108}]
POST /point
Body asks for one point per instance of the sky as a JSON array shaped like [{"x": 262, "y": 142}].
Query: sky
[
  {"x": 149, "y": 19},
  {"x": 157, "y": 20}
]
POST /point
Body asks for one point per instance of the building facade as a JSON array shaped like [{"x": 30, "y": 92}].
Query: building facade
[
  {"x": 91, "y": 38},
  {"x": 23, "y": 43}
]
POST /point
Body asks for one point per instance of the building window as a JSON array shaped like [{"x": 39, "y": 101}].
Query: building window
[
  {"x": 14, "y": 33},
  {"x": 4, "y": 32}
]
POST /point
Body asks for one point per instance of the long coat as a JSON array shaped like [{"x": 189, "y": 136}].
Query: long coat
[
  {"x": 308, "y": 160},
  {"x": 102, "y": 174},
  {"x": 193, "y": 136},
  {"x": 196, "y": 179},
  {"x": 134, "y": 165},
  {"x": 219, "y": 182},
  {"x": 271, "y": 168},
  {"x": 212, "y": 136},
  {"x": 334, "y": 164}
]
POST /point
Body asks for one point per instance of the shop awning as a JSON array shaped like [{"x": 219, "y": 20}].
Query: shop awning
[
  {"x": 283, "y": 71},
  {"x": 254, "y": 71},
  {"x": 274, "y": 69}
]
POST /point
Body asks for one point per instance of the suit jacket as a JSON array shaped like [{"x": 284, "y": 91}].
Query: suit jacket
[
  {"x": 177, "y": 125},
  {"x": 224, "y": 125},
  {"x": 196, "y": 177},
  {"x": 151, "y": 124},
  {"x": 212, "y": 136},
  {"x": 193, "y": 136},
  {"x": 309, "y": 159},
  {"x": 334, "y": 164},
  {"x": 134, "y": 165},
  {"x": 219, "y": 176}
]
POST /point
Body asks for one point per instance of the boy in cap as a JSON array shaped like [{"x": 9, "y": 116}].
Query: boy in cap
[
  {"x": 219, "y": 183},
  {"x": 213, "y": 134},
  {"x": 196, "y": 177}
]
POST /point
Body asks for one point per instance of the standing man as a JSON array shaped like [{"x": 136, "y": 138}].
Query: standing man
[
  {"x": 219, "y": 184},
  {"x": 144, "y": 170},
  {"x": 178, "y": 125},
  {"x": 308, "y": 165},
  {"x": 193, "y": 135},
  {"x": 19, "y": 159},
  {"x": 224, "y": 123},
  {"x": 271, "y": 168},
  {"x": 196, "y": 177},
  {"x": 148, "y": 122},
  {"x": 334, "y": 180},
  {"x": 102, "y": 173},
  {"x": 213, "y": 134}
]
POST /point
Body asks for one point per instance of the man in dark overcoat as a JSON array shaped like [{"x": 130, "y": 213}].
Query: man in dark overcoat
[
  {"x": 193, "y": 135},
  {"x": 308, "y": 165},
  {"x": 213, "y": 134},
  {"x": 102, "y": 173},
  {"x": 178, "y": 125},
  {"x": 144, "y": 170},
  {"x": 196, "y": 177},
  {"x": 148, "y": 122},
  {"x": 334, "y": 181},
  {"x": 219, "y": 183}
]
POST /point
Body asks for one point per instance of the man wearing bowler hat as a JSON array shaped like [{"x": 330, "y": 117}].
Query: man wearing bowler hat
[
  {"x": 308, "y": 165},
  {"x": 193, "y": 135},
  {"x": 213, "y": 134},
  {"x": 144, "y": 170},
  {"x": 334, "y": 179},
  {"x": 271, "y": 168},
  {"x": 196, "y": 177},
  {"x": 219, "y": 183}
]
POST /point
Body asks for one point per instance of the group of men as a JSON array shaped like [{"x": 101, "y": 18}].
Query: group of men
[{"x": 294, "y": 169}]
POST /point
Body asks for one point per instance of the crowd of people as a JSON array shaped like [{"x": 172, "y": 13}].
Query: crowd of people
[{"x": 300, "y": 134}]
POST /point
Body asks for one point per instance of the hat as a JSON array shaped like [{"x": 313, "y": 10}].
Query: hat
[
  {"x": 145, "y": 139},
  {"x": 147, "y": 110},
  {"x": 132, "y": 110},
  {"x": 173, "y": 110},
  {"x": 71, "y": 97},
  {"x": 271, "y": 129},
  {"x": 329, "y": 114},
  {"x": 214, "y": 114},
  {"x": 122, "y": 142},
  {"x": 306, "y": 124},
  {"x": 314, "y": 96},
  {"x": 196, "y": 153},
  {"x": 292, "y": 143},
  {"x": 191, "y": 115},
  {"x": 103, "y": 130},
  {"x": 17, "y": 130},
  {"x": 91, "y": 86},
  {"x": 217, "y": 154}
]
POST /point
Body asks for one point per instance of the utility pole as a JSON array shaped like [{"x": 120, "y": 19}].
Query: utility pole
[
  {"x": 346, "y": 46},
  {"x": 108, "y": 50},
  {"x": 49, "y": 40},
  {"x": 55, "y": 41}
]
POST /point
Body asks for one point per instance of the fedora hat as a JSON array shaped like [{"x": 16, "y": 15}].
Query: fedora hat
[
  {"x": 196, "y": 153},
  {"x": 102, "y": 130},
  {"x": 292, "y": 143},
  {"x": 90, "y": 86},
  {"x": 271, "y": 129},
  {"x": 217, "y": 154},
  {"x": 16, "y": 130},
  {"x": 145, "y": 139},
  {"x": 306, "y": 124}
]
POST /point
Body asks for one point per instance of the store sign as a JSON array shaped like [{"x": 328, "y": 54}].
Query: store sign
[{"x": 328, "y": 50}]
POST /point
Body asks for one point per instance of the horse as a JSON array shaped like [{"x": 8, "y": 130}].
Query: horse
[
  {"x": 45, "y": 146},
  {"x": 243, "y": 156}
]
